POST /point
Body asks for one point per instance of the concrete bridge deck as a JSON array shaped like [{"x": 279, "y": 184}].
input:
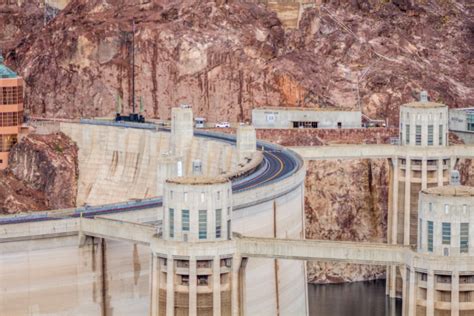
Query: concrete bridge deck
[
  {"x": 318, "y": 250},
  {"x": 381, "y": 151}
]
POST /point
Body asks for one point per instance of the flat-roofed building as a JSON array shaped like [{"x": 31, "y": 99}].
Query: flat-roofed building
[
  {"x": 279, "y": 117},
  {"x": 11, "y": 110},
  {"x": 461, "y": 122}
]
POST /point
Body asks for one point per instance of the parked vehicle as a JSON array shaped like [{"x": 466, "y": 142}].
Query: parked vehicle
[{"x": 222, "y": 125}]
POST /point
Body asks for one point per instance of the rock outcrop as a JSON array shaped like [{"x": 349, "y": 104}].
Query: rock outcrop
[
  {"x": 42, "y": 174},
  {"x": 227, "y": 57},
  {"x": 348, "y": 201}
]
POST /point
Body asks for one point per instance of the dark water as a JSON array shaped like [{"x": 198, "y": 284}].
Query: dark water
[{"x": 352, "y": 299}]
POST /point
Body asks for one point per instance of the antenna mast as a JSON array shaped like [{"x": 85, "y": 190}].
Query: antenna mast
[{"x": 133, "y": 66}]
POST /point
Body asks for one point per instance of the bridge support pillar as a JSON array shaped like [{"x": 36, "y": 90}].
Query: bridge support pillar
[
  {"x": 155, "y": 285},
  {"x": 216, "y": 286},
  {"x": 192, "y": 286},
  {"x": 393, "y": 228},
  {"x": 407, "y": 208},
  {"x": 455, "y": 294},
  {"x": 430, "y": 284},
  {"x": 411, "y": 276},
  {"x": 440, "y": 172},
  {"x": 170, "y": 286}
]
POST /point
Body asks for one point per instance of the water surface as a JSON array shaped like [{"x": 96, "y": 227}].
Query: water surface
[{"x": 352, "y": 299}]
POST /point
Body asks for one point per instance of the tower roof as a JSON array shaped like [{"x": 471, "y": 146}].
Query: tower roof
[{"x": 6, "y": 72}]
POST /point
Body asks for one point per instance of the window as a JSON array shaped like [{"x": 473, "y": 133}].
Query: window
[
  {"x": 430, "y": 135},
  {"x": 407, "y": 136},
  {"x": 202, "y": 196},
  {"x": 464, "y": 238},
  {"x": 202, "y": 224},
  {"x": 446, "y": 209},
  {"x": 446, "y": 233},
  {"x": 430, "y": 206},
  {"x": 418, "y": 135},
  {"x": 185, "y": 196},
  {"x": 171, "y": 194},
  {"x": 440, "y": 134},
  {"x": 171, "y": 213},
  {"x": 218, "y": 223},
  {"x": 185, "y": 220},
  {"x": 430, "y": 236},
  {"x": 218, "y": 195},
  {"x": 185, "y": 280},
  {"x": 202, "y": 280},
  {"x": 7, "y": 142},
  {"x": 11, "y": 95},
  {"x": 420, "y": 235},
  {"x": 11, "y": 119},
  {"x": 470, "y": 121},
  {"x": 339, "y": 124}
]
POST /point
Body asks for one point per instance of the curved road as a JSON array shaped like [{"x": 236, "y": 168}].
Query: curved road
[{"x": 278, "y": 163}]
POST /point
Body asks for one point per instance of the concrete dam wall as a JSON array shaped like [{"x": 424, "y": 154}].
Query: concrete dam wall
[
  {"x": 44, "y": 272},
  {"x": 117, "y": 164}
]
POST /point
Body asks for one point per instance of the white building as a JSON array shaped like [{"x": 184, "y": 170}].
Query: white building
[
  {"x": 277, "y": 117},
  {"x": 461, "y": 121}
]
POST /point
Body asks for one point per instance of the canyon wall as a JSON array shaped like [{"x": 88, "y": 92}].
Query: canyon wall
[
  {"x": 227, "y": 57},
  {"x": 42, "y": 175}
]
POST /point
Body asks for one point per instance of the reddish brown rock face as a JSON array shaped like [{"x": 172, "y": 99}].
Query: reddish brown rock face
[
  {"x": 227, "y": 57},
  {"x": 346, "y": 200},
  {"x": 42, "y": 175}
]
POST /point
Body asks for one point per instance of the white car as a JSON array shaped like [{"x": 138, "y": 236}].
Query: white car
[{"x": 223, "y": 125}]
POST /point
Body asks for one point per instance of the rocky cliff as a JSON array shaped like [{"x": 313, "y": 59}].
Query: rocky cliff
[
  {"x": 42, "y": 174},
  {"x": 227, "y": 57}
]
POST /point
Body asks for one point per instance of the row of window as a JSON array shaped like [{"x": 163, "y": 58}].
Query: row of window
[
  {"x": 465, "y": 208},
  {"x": 203, "y": 195},
  {"x": 11, "y": 119},
  {"x": 11, "y": 95},
  {"x": 7, "y": 142},
  {"x": 430, "y": 116},
  {"x": 446, "y": 235},
  {"x": 202, "y": 223},
  {"x": 418, "y": 135}
]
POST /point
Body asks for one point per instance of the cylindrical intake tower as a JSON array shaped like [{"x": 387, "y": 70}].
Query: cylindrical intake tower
[
  {"x": 445, "y": 234},
  {"x": 423, "y": 124},
  {"x": 197, "y": 272}
]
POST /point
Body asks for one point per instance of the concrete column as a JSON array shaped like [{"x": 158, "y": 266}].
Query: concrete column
[
  {"x": 170, "y": 286},
  {"x": 424, "y": 173},
  {"x": 181, "y": 131},
  {"x": 192, "y": 286},
  {"x": 235, "y": 300},
  {"x": 405, "y": 293},
  {"x": 242, "y": 286},
  {"x": 412, "y": 293},
  {"x": 440, "y": 172},
  {"x": 396, "y": 172},
  {"x": 430, "y": 284},
  {"x": 155, "y": 285},
  {"x": 246, "y": 141},
  {"x": 392, "y": 271},
  {"x": 406, "y": 225},
  {"x": 452, "y": 165},
  {"x": 455, "y": 294},
  {"x": 216, "y": 286}
]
